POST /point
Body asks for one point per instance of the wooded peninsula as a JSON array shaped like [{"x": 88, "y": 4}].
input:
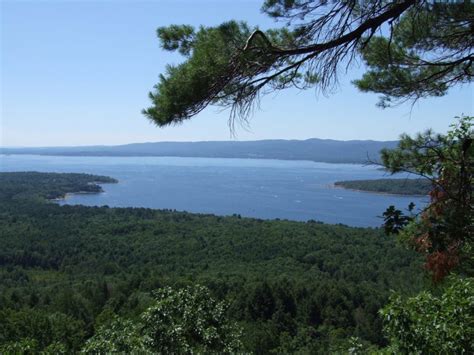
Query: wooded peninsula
[{"x": 389, "y": 186}]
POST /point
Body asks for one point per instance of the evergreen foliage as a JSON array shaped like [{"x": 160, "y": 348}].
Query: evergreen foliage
[
  {"x": 67, "y": 273},
  {"x": 443, "y": 232},
  {"x": 413, "y": 49}
]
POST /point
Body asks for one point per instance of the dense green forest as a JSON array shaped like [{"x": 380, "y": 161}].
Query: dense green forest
[
  {"x": 389, "y": 186},
  {"x": 67, "y": 270},
  {"x": 41, "y": 186}
]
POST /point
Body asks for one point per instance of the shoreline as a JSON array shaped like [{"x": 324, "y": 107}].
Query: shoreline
[
  {"x": 70, "y": 194},
  {"x": 178, "y": 156},
  {"x": 334, "y": 186}
]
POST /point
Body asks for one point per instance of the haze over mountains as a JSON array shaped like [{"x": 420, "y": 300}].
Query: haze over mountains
[{"x": 319, "y": 150}]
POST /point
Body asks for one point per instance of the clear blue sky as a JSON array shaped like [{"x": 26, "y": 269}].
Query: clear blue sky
[{"x": 78, "y": 73}]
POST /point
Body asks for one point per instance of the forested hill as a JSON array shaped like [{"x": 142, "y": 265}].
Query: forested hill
[
  {"x": 320, "y": 150},
  {"x": 66, "y": 271}
]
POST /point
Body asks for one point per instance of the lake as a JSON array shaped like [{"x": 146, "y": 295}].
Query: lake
[{"x": 269, "y": 189}]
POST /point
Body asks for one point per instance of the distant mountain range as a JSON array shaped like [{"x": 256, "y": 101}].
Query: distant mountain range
[{"x": 320, "y": 150}]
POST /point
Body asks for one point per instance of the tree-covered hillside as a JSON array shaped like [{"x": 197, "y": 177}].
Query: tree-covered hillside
[
  {"x": 65, "y": 271},
  {"x": 320, "y": 150}
]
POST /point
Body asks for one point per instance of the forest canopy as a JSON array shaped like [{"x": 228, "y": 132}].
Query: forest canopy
[{"x": 67, "y": 273}]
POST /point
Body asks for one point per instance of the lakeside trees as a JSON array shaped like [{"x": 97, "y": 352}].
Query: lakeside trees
[
  {"x": 389, "y": 186},
  {"x": 68, "y": 272},
  {"x": 41, "y": 186},
  {"x": 412, "y": 49}
]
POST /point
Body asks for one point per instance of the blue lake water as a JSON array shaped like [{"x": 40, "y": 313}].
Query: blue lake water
[{"x": 295, "y": 190}]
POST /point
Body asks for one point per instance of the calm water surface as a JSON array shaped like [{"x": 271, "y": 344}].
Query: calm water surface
[{"x": 296, "y": 190}]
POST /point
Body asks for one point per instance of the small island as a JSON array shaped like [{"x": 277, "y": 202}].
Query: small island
[
  {"x": 49, "y": 186},
  {"x": 389, "y": 186}
]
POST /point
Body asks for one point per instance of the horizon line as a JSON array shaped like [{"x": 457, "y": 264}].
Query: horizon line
[{"x": 196, "y": 141}]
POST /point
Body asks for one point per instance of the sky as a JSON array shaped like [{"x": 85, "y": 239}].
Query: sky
[{"x": 79, "y": 72}]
